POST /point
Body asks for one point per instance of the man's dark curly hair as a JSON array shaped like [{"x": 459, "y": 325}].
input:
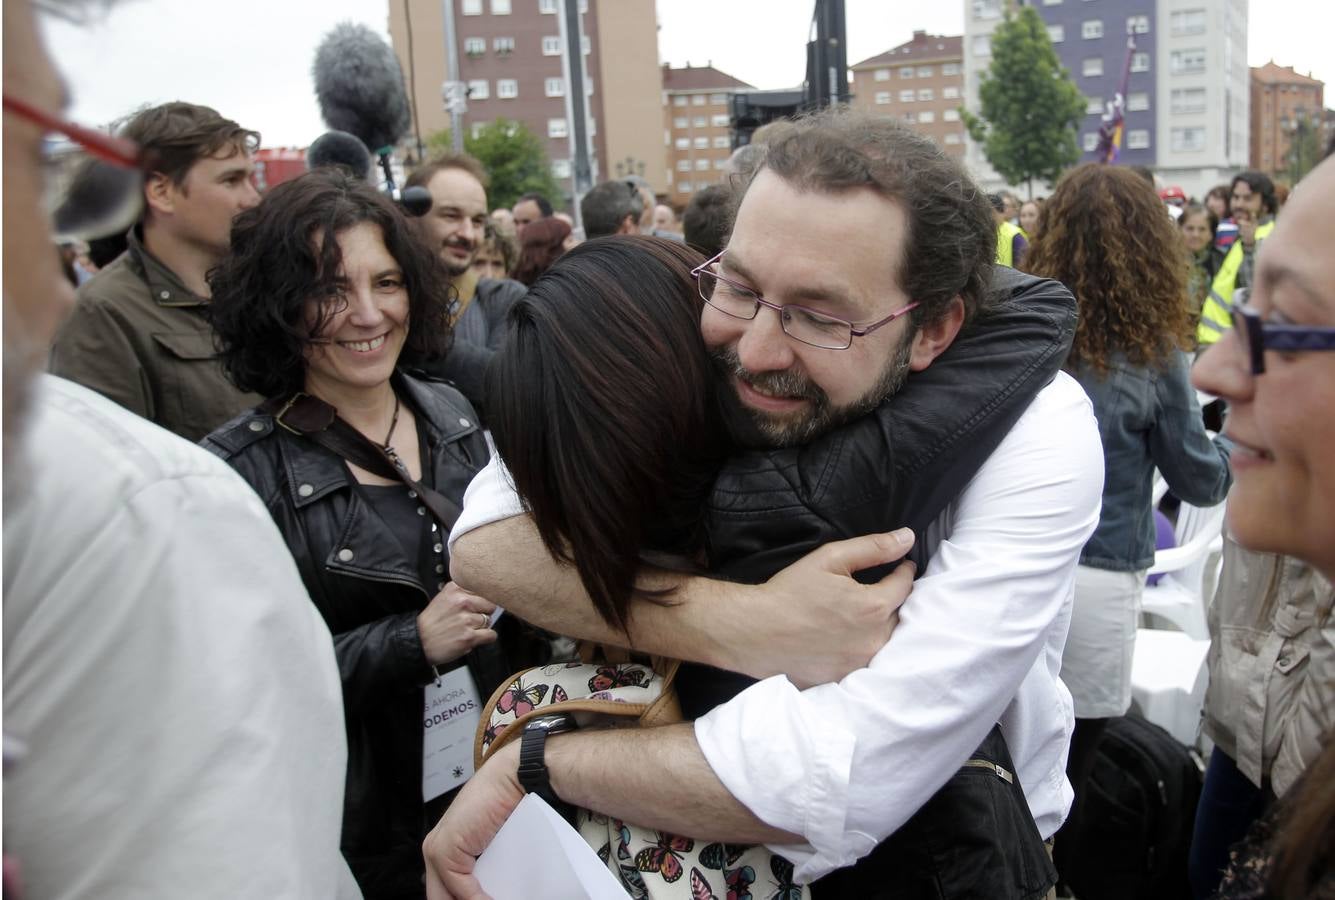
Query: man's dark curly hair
[{"x": 285, "y": 254}]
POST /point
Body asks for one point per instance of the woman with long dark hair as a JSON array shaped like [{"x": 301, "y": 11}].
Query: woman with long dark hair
[
  {"x": 541, "y": 244},
  {"x": 1103, "y": 234},
  {"x": 360, "y": 463}
]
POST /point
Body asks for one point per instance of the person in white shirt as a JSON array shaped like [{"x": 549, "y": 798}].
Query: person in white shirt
[
  {"x": 843, "y": 764},
  {"x": 172, "y": 715}
]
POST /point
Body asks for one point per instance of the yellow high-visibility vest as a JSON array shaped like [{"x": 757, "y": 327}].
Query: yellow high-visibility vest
[
  {"x": 1006, "y": 233},
  {"x": 1217, "y": 311}
]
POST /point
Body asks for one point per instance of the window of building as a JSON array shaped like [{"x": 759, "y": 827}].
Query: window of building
[
  {"x": 882, "y": 97},
  {"x": 906, "y": 72},
  {"x": 1091, "y": 29},
  {"x": 882, "y": 75},
  {"x": 500, "y": 7},
  {"x": 718, "y": 99},
  {"x": 907, "y": 96},
  {"x": 679, "y": 100},
  {"x": 1137, "y": 101},
  {"x": 1138, "y": 139},
  {"x": 698, "y": 100},
  {"x": 982, "y": 45},
  {"x": 926, "y": 94},
  {"x": 684, "y": 187},
  {"x": 551, "y": 46},
  {"x": 557, "y": 128},
  {"x": 593, "y": 126},
  {"x": 1093, "y": 106},
  {"x": 561, "y": 168},
  {"x": 683, "y": 143},
  {"x": 926, "y": 116},
  {"x": 681, "y": 122},
  {"x": 547, "y": 7},
  {"x": 1183, "y": 22},
  {"x": 702, "y": 143},
  {"x": 950, "y": 69},
  {"x": 699, "y": 121},
  {"x": 1092, "y": 67},
  {"x": 1056, "y": 33},
  {"x": 471, "y": 7},
  {"x": 476, "y": 129},
  {"x": 504, "y": 45},
  {"x": 909, "y": 117},
  {"x": 475, "y": 46},
  {"x": 584, "y": 46},
  {"x": 702, "y": 165},
  {"x": 1183, "y": 62},
  {"x": 555, "y": 87},
  {"x": 1187, "y": 100},
  {"x": 1138, "y": 24},
  {"x": 479, "y": 89},
  {"x": 1090, "y": 141},
  {"x": 1140, "y": 62},
  {"x": 719, "y": 120},
  {"x": 1052, "y": 2},
  {"x": 683, "y": 165},
  {"x": 721, "y": 142},
  {"x": 720, "y": 163},
  {"x": 952, "y": 138},
  {"x": 507, "y": 88},
  {"x": 924, "y": 71},
  {"x": 987, "y": 9},
  {"x": 951, "y": 115},
  {"x": 1187, "y": 140},
  {"x": 950, "y": 93}
]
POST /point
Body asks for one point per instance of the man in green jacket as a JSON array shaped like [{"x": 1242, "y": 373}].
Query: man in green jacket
[{"x": 139, "y": 333}]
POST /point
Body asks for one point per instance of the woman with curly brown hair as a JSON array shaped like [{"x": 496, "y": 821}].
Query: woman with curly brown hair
[{"x": 1103, "y": 234}]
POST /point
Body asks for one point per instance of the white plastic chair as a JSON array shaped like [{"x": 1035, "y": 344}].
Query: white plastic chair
[
  {"x": 1168, "y": 680},
  {"x": 1190, "y": 571}
]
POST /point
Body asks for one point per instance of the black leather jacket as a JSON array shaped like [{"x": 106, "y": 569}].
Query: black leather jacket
[
  {"x": 369, "y": 593},
  {"x": 901, "y": 465}
]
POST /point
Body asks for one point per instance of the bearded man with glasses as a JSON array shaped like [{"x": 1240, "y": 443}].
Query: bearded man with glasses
[{"x": 860, "y": 253}]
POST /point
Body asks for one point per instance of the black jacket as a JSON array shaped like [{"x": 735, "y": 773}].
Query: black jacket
[
  {"x": 370, "y": 593},
  {"x": 901, "y": 465}
]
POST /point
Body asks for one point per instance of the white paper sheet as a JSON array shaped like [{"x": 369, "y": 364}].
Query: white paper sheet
[{"x": 537, "y": 856}]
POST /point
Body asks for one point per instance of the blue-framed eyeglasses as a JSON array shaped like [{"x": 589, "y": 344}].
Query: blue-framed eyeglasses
[
  {"x": 801, "y": 323},
  {"x": 1258, "y": 336}
]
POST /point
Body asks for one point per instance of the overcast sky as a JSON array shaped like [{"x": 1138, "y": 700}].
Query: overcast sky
[{"x": 251, "y": 58}]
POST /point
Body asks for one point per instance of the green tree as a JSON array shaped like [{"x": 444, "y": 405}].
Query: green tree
[
  {"x": 1304, "y": 149},
  {"x": 512, "y": 155},
  {"x": 1030, "y": 109}
]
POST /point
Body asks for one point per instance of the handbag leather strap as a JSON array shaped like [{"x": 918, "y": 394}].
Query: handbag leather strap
[{"x": 317, "y": 420}]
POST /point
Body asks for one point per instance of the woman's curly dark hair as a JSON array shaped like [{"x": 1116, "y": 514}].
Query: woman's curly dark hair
[
  {"x": 1105, "y": 234},
  {"x": 285, "y": 253}
]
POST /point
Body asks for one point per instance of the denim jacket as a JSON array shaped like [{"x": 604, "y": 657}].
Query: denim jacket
[{"x": 1148, "y": 418}]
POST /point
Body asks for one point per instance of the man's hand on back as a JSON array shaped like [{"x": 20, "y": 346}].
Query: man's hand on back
[{"x": 813, "y": 622}]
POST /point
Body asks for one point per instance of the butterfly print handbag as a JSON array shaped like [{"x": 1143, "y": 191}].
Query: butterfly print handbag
[{"x": 649, "y": 864}]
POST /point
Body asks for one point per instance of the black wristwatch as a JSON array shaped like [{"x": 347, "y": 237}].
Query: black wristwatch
[{"x": 533, "y": 775}]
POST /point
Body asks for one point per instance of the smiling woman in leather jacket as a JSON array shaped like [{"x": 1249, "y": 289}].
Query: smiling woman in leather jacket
[{"x": 326, "y": 285}]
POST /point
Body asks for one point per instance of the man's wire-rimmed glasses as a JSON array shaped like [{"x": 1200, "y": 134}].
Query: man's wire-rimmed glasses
[
  {"x": 94, "y": 184},
  {"x": 1258, "y": 336},
  {"x": 800, "y": 323}
]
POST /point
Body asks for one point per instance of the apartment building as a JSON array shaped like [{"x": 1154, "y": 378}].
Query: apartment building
[
  {"x": 1279, "y": 98},
  {"x": 920, "y": 81},
  {"x": 1185, "y": 107},
  {"x": 512, "y": 58},
  {"x": 697, "y": 115}
]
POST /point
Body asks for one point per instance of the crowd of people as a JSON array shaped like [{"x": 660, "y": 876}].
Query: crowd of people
[{"x": 295, "y": 480}]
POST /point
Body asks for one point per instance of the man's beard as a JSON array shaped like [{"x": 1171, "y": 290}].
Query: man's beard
[
  {"x": 751, "y": 427},
  {"x": 455, "y": 269}
]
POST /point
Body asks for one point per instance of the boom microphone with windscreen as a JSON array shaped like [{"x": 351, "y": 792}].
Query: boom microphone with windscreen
[{"x": 338, "y": 148}]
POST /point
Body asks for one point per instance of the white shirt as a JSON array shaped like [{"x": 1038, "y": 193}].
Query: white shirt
[
  {"x": 173, "y": 686},
  {"x": 979, "y": 642}
]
